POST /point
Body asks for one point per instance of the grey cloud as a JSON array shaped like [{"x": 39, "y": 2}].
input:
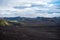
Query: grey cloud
[
  {"x": 38, "y": 5},
  {"x": 20, "y": 7},
  {"x": 32, "y": 5}
]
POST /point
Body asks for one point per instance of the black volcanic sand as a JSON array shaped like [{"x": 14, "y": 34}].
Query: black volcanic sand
[{"x": 29, "y": 33}]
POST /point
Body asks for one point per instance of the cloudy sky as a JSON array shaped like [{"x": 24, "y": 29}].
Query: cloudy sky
[{"x": 30, "y": 8}]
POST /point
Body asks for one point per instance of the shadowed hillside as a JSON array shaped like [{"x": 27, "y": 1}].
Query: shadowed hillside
[{"x": 26, "y": 30}]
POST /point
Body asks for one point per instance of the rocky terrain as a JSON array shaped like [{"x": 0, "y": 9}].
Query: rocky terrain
[{"x": 12, "y": 30}]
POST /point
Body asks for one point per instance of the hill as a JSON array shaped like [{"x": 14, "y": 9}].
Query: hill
[
  {"x": 39, "y": 21},
  {"x": 30, "y": 29}
]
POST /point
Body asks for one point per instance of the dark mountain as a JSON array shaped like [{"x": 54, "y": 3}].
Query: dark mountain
[
  {"x": 39, "y": 28},
  {"x": 12, "y": 18},
  {"x": 38, "y": 19}
]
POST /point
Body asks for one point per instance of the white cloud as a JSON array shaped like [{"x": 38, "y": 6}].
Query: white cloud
[{"x": 30, "y": 8}]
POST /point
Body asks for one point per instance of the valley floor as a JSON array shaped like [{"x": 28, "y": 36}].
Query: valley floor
[{"x": 26, "y": 33}]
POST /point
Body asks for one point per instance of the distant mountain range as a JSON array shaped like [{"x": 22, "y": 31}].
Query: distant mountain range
[
  {"x": 39, "y": 21},
  {"x": 32, "y": 19}
]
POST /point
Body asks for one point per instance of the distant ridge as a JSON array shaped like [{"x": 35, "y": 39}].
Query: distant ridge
[{"x": 38, "y": 21}]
